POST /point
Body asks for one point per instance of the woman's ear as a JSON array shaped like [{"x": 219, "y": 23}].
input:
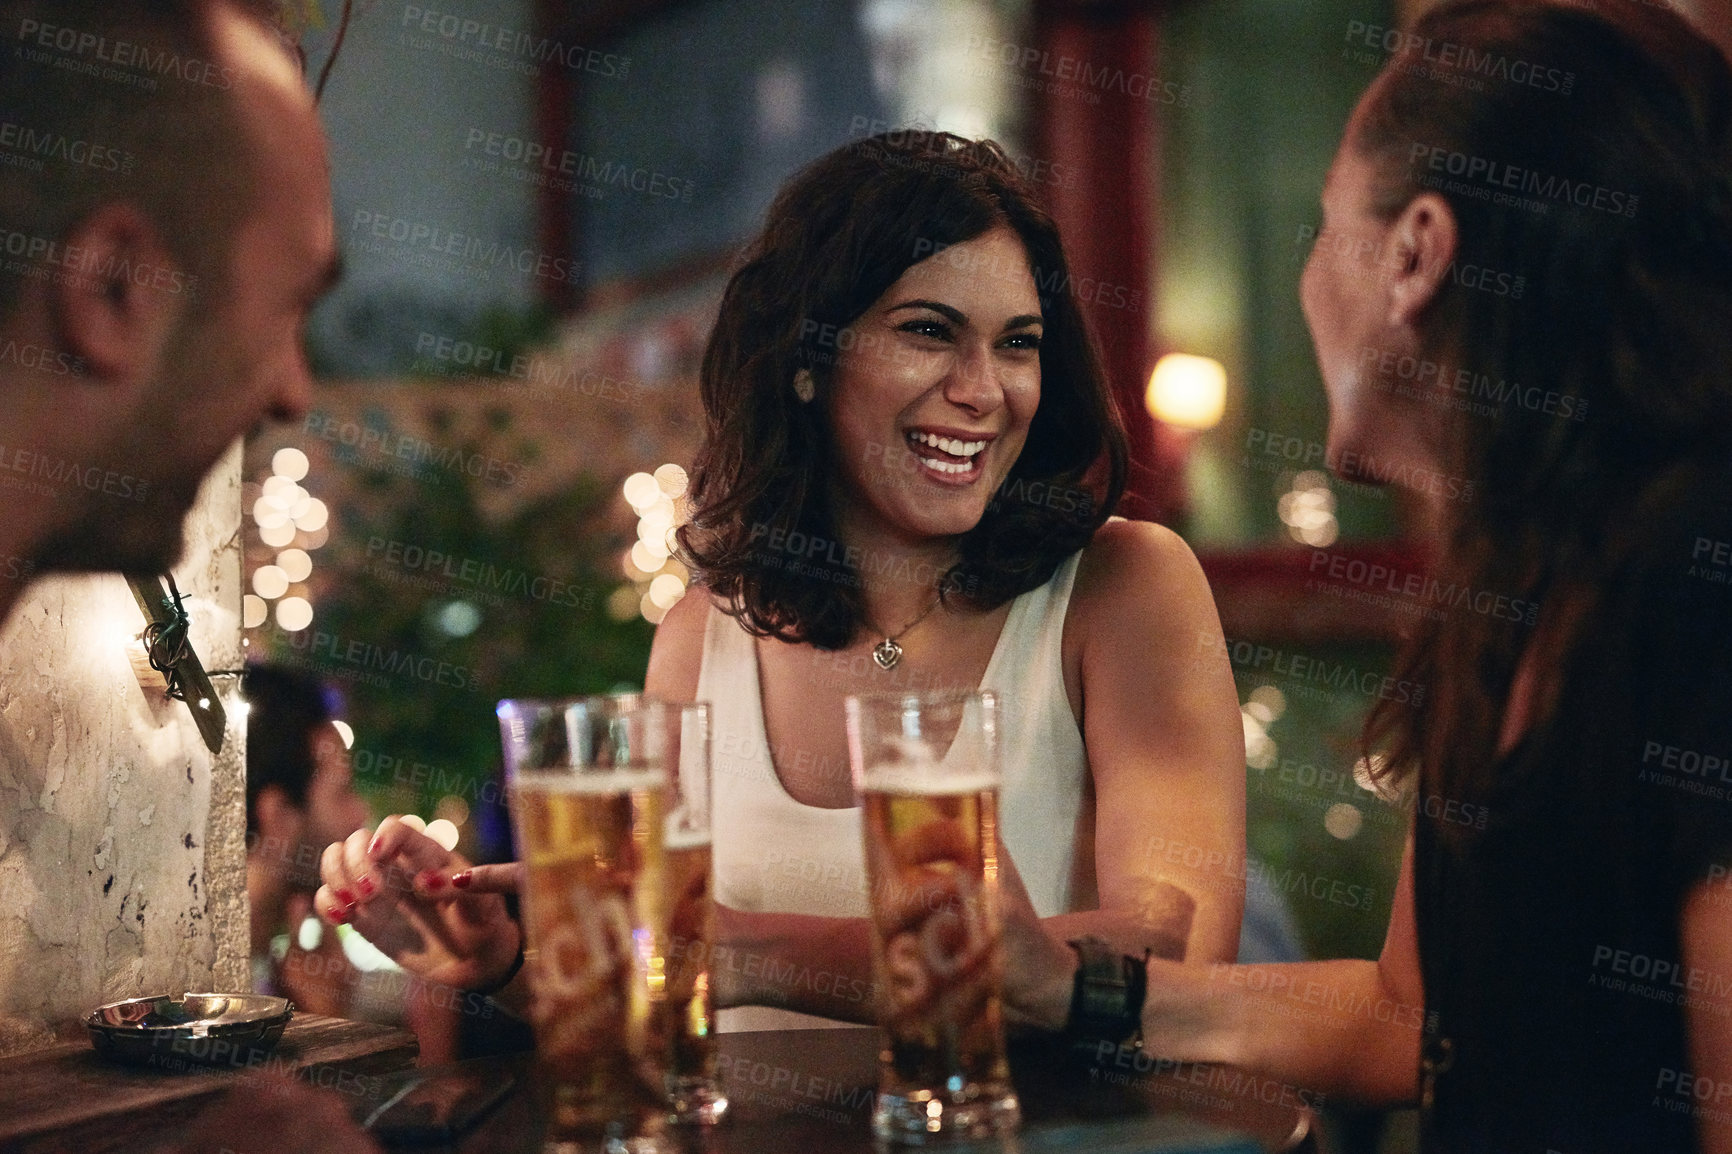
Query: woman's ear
[
  {"x": 1424, "y": 241},
  {"x": 106, "y": 304}
]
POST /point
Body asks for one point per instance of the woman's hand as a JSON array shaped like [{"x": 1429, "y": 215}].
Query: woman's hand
[
  {"x": 320, "y": 980},
  {"x": 421, "y": 904},
  {"x": 941, "y": 954},
  {"x": 1039, "y": 970}
]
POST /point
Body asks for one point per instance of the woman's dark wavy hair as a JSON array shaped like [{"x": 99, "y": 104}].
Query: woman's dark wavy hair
[
  {"x": 839, "y": 234},
  {"x": 1629, "y": 312}
]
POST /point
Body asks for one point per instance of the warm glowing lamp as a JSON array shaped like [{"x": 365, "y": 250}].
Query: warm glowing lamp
[{"x": 1187, "y": 391}]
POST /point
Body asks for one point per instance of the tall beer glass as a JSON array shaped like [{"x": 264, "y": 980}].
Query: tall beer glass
[
  {"x": 926, "y": 767},
  {"x": 588, "y": 789},
  {"x": 693, "y": 1092}
]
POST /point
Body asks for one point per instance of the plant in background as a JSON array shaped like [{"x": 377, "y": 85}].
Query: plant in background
[{"x": 429, "y": 611}]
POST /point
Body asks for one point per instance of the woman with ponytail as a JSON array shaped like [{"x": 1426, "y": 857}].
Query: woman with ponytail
[{"x": 1558, "y": 969}]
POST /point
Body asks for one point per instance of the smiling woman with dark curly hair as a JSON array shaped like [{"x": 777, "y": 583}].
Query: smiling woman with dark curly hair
[
  {"x": 909, "y": 464},
  {"x": 764, "y": 477},
  {"x": 908, "y": 471}
]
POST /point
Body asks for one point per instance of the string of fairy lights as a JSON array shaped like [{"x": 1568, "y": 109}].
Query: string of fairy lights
[
  {"x": 658, "y": 578},
  {"x": 292, "y": 521}
]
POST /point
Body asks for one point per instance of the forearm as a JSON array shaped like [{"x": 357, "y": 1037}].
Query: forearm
[
  {"x": 516, "y": 995},
  {"x": 1333, "y": 1027},
  {"x": 1168, "y": 921},
  {"x": 816, "y": 965},
  {"x": 1126, "y": 934}
]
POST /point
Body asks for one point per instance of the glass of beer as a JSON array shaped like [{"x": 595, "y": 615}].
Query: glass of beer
[
  {"x": 588, "y": 791},
  {"x": 690, "y": 1020},
  {"x": 926, "y": 768}
]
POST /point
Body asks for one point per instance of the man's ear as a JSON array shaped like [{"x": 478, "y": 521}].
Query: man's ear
[
  {"x": 1424, "y": 241},
  {"x": 106, "y": 308}
]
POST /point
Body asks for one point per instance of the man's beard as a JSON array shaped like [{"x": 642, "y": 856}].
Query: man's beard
[
  {"x": 121, "y": 534},
  {"x": 137, "y": 524}
]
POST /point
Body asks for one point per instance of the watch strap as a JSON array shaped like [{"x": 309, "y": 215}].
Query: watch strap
[{"x": 1107, "y": 998}]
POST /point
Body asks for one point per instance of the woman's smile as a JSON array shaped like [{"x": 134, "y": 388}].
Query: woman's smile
[{"x": 950, "y": 456}]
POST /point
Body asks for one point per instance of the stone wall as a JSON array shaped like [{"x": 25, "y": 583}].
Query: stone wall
[{"x": 122, "y": 838}]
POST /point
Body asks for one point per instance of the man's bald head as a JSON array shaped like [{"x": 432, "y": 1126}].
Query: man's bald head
[{"x": 120, "y": 100}]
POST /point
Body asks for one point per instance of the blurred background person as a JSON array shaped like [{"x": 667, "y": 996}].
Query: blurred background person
[{"x": 301, "y": 796}]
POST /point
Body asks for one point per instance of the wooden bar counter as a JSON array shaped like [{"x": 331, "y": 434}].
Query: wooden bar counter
[
  {"x": 791, "y": 1092},
  {"x": 67, "y": 1098},
  {"x": 810, "y": 1092}
]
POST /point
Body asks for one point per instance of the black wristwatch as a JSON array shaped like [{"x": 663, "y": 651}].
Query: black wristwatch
[{"x": 1106, "y": 1003}]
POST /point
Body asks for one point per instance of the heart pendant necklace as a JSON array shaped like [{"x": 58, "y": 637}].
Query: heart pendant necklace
[{"x": 888, "y": 652}]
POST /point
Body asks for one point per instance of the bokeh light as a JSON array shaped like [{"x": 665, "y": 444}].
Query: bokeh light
[
  {"x": 297, "y": 563},
  {"x": 270, "y": 582},
  {"x": 290, "y": 463},
  {"x": 294, "y": 613},
  {"x": 1343, "y": 821},
  {"x": 642, "y": 491},
  {"x": 1188, "y": 392}
]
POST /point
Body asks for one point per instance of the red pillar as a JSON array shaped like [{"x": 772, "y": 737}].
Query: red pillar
[
  {"x": 556, "y": 95},
  {"x": 1100, "y": 118}
]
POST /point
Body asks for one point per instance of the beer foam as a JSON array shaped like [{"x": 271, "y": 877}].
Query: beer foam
[
  {"x": 592, "y": 784},
  {"x": 923, "y": 779}
]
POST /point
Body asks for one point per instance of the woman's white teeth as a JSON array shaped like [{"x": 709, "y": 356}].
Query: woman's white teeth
[{"x": 947, "y": 444}]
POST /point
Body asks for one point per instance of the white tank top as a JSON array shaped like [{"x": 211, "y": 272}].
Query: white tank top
[{"x": 776, "y": 855}]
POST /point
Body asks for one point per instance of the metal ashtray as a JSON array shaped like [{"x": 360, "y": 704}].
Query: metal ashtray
[{"x": 176, "y": 1030}]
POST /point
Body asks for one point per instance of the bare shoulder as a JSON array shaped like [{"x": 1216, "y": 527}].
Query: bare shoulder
[
  {"x": 1129, "y": 561},
  {"x": 1139, "y": 584},
  {"x": 677, "y": 653}
]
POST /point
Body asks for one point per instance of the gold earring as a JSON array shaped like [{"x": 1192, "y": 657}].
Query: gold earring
[{"x": 803, "y": 386}]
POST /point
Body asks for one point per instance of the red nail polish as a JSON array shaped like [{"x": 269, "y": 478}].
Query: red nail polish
[
  {"x": 341, "y": 914},
  {"x": 345, "y": 898},
  {"x": 373, "y": 846},
  {"x": 432, "y": 880},
  {"x": 462, "y": 879},
  {"x": 367, "y": 887}
]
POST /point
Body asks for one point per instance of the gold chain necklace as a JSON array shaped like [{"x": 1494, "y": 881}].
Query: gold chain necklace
[{"x": 888, "y": 653}]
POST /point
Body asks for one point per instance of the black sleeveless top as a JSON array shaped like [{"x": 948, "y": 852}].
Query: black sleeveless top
[{"x": 1556, "y": 989}]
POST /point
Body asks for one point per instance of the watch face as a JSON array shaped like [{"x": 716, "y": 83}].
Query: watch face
[{"x": 1101, "y": 1000}]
